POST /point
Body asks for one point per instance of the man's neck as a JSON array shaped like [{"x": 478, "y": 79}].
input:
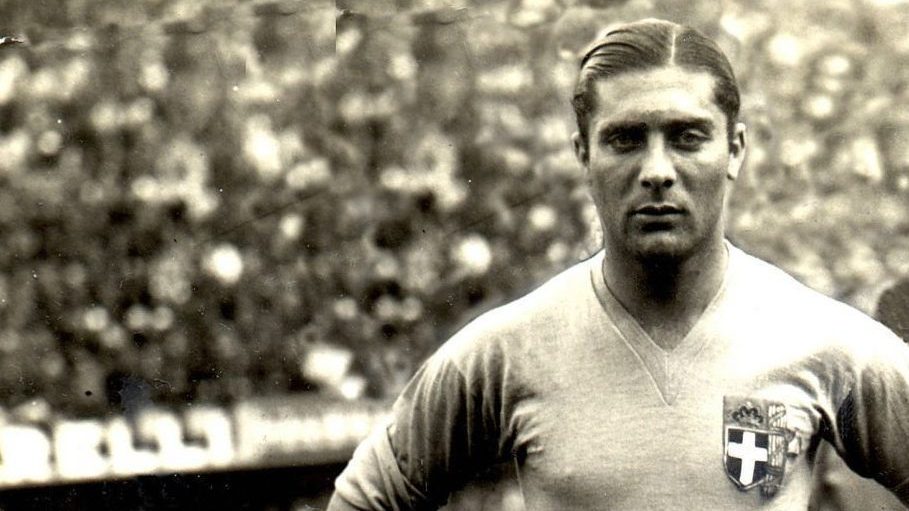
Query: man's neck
[{"x": 667, "y": 296}]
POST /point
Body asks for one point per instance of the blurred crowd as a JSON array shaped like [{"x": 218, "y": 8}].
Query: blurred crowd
[{"x": 207, "y": 201}]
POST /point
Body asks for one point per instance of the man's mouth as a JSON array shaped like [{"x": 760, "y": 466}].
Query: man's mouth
[
  {"x": 657, "y": 217},
  {"x": 658, "y": 210}
]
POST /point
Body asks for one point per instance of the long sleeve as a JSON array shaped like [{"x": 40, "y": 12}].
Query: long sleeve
[
  {"x": 372, "y": 479},
  {"x": 444, "y": 429},
  {"x": 871, "y": 430}
]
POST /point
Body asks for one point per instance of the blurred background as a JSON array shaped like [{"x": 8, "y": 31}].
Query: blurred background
[{"x": 213, "y": 207}]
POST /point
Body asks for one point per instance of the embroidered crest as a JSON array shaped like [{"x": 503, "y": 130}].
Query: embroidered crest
[{"x": 755, "y": 443}]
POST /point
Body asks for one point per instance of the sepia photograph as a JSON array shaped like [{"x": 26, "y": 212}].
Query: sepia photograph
[{"x": 500, "y": 255}]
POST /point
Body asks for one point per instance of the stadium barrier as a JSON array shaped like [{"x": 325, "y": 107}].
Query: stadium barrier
[{"x": 259, "y": 433}]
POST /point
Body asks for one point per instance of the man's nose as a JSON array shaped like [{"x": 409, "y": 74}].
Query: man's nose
[{"x": 657, "y": 169}]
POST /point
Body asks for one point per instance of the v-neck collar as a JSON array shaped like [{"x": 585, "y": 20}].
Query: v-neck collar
[{"x": 667, "y": 368}]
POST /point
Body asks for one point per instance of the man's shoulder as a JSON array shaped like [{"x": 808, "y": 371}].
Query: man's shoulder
[
  {"x": 795, "y": 305},
  {"x": 763, "y": 281},
  {"x": 522, "y": 320},
  {"x": 570, "y": 288}
]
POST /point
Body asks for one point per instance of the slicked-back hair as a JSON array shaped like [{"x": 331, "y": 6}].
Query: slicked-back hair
[{"x": 648, "y": 44}]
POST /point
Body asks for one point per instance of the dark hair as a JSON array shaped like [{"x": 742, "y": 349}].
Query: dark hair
[
  {"x": 648, "y": 44},
  {"x": 893, "y": 308}
]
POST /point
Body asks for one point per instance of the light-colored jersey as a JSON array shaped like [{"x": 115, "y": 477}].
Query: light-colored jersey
[{"x": 597, "y": 416}]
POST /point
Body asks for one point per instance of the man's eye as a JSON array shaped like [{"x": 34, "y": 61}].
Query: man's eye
[
  {"x": 624, "y": 142},
  {"x": 690, "y": 139}
]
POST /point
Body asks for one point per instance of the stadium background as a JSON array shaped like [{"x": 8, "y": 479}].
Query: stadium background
[{"x": 206, "y": 204}]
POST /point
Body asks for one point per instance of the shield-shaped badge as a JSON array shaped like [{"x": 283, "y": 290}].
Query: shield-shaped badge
[{"x": 754, "y": 443}]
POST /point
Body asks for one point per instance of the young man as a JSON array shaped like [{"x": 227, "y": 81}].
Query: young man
[{"x": 671, "y": 369}]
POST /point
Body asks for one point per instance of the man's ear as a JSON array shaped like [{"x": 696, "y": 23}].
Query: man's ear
[
  {"x": 580, "y": 149},
  {"x": 736, "y": 151}
]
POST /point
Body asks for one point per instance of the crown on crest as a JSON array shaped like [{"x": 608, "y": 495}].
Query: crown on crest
[{"x": 748, "y": 414}]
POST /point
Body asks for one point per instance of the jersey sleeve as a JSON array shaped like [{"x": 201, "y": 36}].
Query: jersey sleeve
[
  {"x": 871, "y": 430},
  {"x": 444, "y": 428}
]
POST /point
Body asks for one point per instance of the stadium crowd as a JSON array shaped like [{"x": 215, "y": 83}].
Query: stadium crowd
[{"x": 206, "y": 201}]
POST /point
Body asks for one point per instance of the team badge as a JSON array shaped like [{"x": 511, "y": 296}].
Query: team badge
[{"x": 755, "y": 443}]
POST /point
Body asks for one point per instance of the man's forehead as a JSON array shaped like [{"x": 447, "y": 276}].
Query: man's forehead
[{"x": 656, "y": 96}]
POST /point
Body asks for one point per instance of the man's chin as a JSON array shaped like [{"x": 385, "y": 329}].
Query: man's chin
[{"x": 661, "y": 247}]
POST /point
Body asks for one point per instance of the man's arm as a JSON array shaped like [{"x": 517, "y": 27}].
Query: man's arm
[
  {"x": 871, "y": 430},
  {"x": 372, "y": 479},
  {"x": 444, "y": 429}
]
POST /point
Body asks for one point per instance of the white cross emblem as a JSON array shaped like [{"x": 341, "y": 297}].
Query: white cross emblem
[{"x": 749, "y": 453}]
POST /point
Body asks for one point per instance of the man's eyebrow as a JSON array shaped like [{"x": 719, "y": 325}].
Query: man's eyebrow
[
  {"x": 704, "y": 124},
  {"x": 620, "y": 126},
  {"x": 699, "y": 123}
]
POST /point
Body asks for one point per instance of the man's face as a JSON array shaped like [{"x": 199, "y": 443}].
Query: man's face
[{"x": 659, "y": 162}]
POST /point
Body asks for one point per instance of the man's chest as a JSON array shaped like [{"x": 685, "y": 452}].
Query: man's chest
[{"x": 605, "y": 438}]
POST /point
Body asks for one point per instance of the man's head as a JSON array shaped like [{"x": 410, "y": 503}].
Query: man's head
[
  {"x": 658, "y": 135},
  {"x": 648, "y": 44}
]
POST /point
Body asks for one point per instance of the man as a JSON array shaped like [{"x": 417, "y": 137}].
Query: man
[{"x": 671, "y": 370}]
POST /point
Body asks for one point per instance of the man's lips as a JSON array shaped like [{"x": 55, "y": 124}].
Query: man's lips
[
  {"x": 657, "y": 210},
  {"x": 656, "y": 217}
]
